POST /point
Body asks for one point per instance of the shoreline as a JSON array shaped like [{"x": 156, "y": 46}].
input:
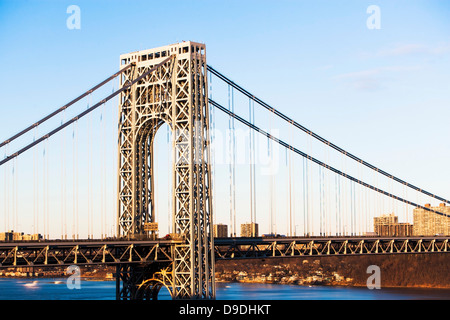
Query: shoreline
[
  {"x": 337, "y": 285},
  {"x": 360, "y": 286}
]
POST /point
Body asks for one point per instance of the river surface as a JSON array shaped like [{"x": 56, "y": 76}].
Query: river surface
[{"x": 57, "y": 289}]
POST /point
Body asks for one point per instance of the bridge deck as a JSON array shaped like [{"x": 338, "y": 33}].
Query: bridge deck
[
  {"x": 245, "y": 248},
  {"x": 68, "y": 252},
  {"x": 61, "y": 253}
]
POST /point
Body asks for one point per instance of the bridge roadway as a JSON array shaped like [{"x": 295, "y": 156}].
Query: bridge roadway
[{"x": 86, "y": 252}]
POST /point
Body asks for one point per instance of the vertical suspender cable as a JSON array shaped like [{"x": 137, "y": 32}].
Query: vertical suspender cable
[
  {"x": 234, "y": 162},
  {"x": 16, "y": 214},
  {"x": 37, "y": 191},
  {"x": 65, "y": 183},
  {"x": 368, "y": 210},
  {"x": 253, "y": 162},
  {"x": 310, "y": 194},
  {"x": 269, "y": 150},
  {"x": 89, "y": 174},
  {"x": 100, "y": 159},
  {"x": 62, "y": 180},
  {"x": 351, "y": 208},
  {"x": 250, "y": 162},
  {"x": 361, "y": 214},
  {"x": 336, "y": 204},
  {"x": 13, "y": 190},
  {"x": 340, "y": 197},
  {"x": 290, "y": 195},
  {"x": 77, "y": 207},
  {"x": 74, "y": 160},
  {"x": 47, "y": 196},
  {"x": 290, "y": 191},
  {"x": 8, "y": 172},
  {"x": 327, "y": 198},
  {"x": 102, "y": 177},
  {"x": 340, "y": 230},
  {"x": 91, "y": 177},
  {"x": 304, "y": 195},
  {"x": 353, "y": 204},
  {"x": 405, "y": 196},
  {"x": 320, "y": 200},
  {"x": 229, "y": 166},
  {"x": 358, "y": 198},
  {"x": 306, "y": 198},
  {"x": 287, "y": 190},
  {"x": 291, "y": 175},
  {"x": 103, "y": 164},
  {"x": 7, "y": 198},
  {"x": 345, "y": 202},
  {"x": 269, "y": 153},
  {"x": 44, "y": 188},
  {"x": 252, "y": 165},
  {"x": 5, "y": 188},
  {"x": 324, "y": 200},
  {"x": 36, "y": 187},
  {"x": 273, "y": 208},
  {"x": 376, "y": 200},
  {"x": 354, "y": 208},
  {"x": 10, "y": 195}
]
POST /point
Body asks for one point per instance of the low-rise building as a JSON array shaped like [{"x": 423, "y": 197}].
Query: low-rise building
[
  {"x": 388, "y": 225},
  {"x": 220, "y": 230},
  {"x": 19, "y": 236},
  {"x": 249, "y": 230}
]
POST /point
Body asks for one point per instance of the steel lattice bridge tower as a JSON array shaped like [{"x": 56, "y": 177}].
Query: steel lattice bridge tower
[{"x": 174, "y": 93}]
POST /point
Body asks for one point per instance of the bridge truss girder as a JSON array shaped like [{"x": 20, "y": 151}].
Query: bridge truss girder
[
  {"x": 54, "y": 254},
  {"x": 247, "y": 248},
  {"x": 66, "y": 253}
]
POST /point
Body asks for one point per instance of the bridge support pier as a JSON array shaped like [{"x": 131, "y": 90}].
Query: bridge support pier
[{"x": 139, "y": 281}]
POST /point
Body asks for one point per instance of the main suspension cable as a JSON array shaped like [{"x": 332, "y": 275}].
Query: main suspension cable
[
  {"x": 54, "y": 113},
  {"x": 82, "y": 114},
  {"x": 351, "y": 178},
  {"x": 323, "y": 140}
]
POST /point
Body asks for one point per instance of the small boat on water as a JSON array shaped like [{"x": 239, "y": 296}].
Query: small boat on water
[{"x": 31, "y": 284}]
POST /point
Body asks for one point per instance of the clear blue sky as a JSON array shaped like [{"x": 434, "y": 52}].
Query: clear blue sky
[{"x": 383, "y": 94}]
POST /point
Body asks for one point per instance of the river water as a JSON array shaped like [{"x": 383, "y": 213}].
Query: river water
[{"x": 57, "y": 289}]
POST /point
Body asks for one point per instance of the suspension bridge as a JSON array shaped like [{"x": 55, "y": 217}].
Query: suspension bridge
[{"x": 94, "y": 186}]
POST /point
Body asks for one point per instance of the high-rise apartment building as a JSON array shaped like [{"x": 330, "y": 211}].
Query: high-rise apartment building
[{"x": 427, "y": 223}]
